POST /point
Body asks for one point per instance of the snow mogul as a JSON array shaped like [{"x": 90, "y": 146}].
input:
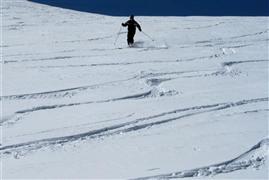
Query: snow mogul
[{"x": 132, "y": 25}]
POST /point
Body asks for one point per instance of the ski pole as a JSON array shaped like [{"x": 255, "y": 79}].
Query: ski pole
[
  {"x": 118, "y": 34},
  {"x": 147, "y": 36}
]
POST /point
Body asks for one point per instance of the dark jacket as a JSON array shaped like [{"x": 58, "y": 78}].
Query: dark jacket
[{"x": 132, "y": 24}]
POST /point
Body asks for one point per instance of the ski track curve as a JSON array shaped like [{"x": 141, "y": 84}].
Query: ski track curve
[
  {"x": 122, "y": 128},
  {"x": 230, "y": 40},
  {"x": 154, "y": 92},
  {"x": 60, "y": 93},
  {"x": 252, "y": 34},
  {"x": 231, "y": 63},
  {"x": 20, "y": 113},
  {"x": 255, "y": 157},
  {"x": 85, "y": 40},
  {"x": 72, "y": 91},
  {"x": 55, "y": 58},
  {"x": 154, "y": 78},
  {"x": 150, "y": 79},
  {"x": 233, "y": 37},
  {"x": 206, "y": 26},
  {"x": 39, "y": 108},
  {"x": 217, "y": 55}
]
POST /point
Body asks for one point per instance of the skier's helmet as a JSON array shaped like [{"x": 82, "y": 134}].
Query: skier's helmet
[{"x": 132, "y": 17}]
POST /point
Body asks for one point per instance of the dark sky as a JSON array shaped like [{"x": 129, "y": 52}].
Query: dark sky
[{"x": 166, "y": 7}]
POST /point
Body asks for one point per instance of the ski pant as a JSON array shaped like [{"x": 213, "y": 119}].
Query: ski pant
[{"x": 130, "y": 38}]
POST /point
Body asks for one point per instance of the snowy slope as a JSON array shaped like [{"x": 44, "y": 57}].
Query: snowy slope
[{"x": 192, "y": 103}]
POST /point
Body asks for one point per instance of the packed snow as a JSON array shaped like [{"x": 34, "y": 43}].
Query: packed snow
[{"x": 190, "y": 99}]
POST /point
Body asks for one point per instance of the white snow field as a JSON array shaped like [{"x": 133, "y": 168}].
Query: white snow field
[{"x": 192, "y": 103}]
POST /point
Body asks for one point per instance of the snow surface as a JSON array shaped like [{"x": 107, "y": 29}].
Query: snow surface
[{"x": 191, "y": 103}]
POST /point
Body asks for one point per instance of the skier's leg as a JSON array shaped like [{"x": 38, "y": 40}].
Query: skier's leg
[
  {"x": 129, "y": 38},
  {"x": 132, "y": 37}
]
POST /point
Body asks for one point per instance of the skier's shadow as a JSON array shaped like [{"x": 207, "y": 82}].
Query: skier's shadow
[{"x": 165, "y": 7}]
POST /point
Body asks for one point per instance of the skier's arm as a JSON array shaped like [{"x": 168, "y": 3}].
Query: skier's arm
[
  {"x": 125, "y": 24},
  {"x": 138, "y": 26}
]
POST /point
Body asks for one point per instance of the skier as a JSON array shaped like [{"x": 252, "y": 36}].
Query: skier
[{"x": 132, "y": 25}]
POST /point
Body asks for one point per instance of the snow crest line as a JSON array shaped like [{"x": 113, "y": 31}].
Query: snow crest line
[
  {"x": 123, "y": 127},
  {"x": 255, "y": 158}
]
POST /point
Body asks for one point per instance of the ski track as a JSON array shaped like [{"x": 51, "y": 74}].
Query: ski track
[
  {"x": 151, "y": 93},
  {"x": 61, "y": 58},
  {"x": 135, "y": 96},
  {"x": 223, "y": 43},
  {"x": 38, "y": 54},
  {"x": 247, "y": 112},
  {"x": 62, "y": 92},
  {"x": 231, "y": 63},
  {"x": 57, "y": 42},
  {"x": 211, "y": 42},
  {"x": 241, "y": 162},
  {"x": 132, "y": 63},
  {"x": 85, "y": 40},
  {"x": 204, "y": 27},
  {"x": 204, "y": 73},
  {"x": 77, "y": 126},
  {"x": 250, "y": 35},
  {"x": 230, "y": 40},
  {"x": 123, "y": 127},
  {"x": 224, "y": 70},
  {"x": 127, "y": 123},
  {"x": 72, "y": 91},
  {"x": 233, "y": 37},
  {"x": 150, "y": 80}
]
